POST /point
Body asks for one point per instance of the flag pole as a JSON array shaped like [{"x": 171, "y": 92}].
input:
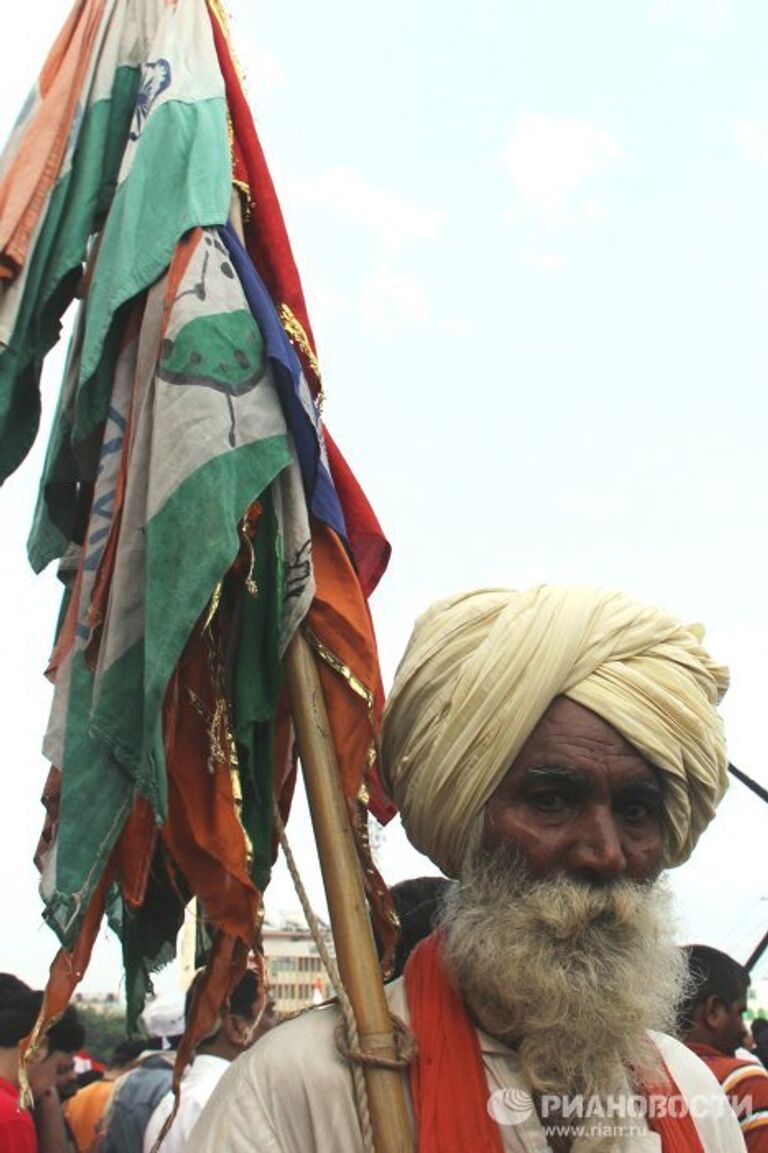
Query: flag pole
[
  {"x": 355, "y": 950},
  {"x": 352, "y": 935}
]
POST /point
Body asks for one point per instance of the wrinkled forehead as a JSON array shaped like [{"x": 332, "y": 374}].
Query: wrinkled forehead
[{"x": 573, "y": 739}]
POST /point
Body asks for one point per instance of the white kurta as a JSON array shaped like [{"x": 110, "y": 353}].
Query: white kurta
[
  {"x": 292, "y": 1093},
  {"x": 197, "y": 1084}
]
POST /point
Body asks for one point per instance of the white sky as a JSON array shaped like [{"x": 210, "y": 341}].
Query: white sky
[{"x": 534, "y": 247}]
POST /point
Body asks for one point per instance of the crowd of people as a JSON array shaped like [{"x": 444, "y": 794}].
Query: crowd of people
[
  {"x": 124, "y": 1107},
  {"x": 553, "y": 752}
]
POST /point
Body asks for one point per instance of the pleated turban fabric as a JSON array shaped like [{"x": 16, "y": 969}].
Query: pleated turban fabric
[{"x": 480, "y": 671}]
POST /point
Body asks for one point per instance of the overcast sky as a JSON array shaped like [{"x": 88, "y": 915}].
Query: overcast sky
[{"x": 534, "y": 247}]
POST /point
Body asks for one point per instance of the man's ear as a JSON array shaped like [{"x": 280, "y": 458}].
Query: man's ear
[{"x": 712, "y": 1010}]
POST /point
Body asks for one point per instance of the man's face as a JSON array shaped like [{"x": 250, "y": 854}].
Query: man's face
[
  {"x": 66, "y": 1077},
  {"x": 579, "y": 801},
  {"x": 728, "y": 1025}
]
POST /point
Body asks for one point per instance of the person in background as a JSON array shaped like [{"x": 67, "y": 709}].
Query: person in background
[
  {"x": 19, "y": 1006},
  {"x": 65, "y": 1039},
  {"x": 239, "y": 1027},
  {"x": 712, "y": 1025},
  {"x": 88, "y": 1076},
  {"x": 746, "y": 1048},
  {"x": 21, "y": 1131},
  {"x": 86, "y": 1109},
  {"x": 137, "y": 1094},
  {"x": 417, "y": 902},
  {"x": 760, "y": 1037}
]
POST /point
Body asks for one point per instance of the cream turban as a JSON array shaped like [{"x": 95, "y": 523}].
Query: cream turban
[{"x": 481, "y": 669}]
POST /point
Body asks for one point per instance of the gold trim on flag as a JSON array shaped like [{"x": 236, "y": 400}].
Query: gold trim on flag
[{"x": 299, "y": 338}]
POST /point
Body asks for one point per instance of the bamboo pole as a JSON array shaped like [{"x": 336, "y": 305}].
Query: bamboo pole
[{"x": 355, "y": 951}]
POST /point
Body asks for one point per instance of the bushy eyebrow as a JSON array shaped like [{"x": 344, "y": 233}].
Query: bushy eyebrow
[
  {"x": 637, "y": 787},
  {"x": 554, "y": 775},
  {"x": 574, "y": 778}
]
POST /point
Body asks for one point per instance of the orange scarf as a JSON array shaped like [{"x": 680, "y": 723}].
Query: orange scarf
[{"x": 448, "y": 1085}]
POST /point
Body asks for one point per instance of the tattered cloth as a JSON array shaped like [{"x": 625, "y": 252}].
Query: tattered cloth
[{"x": 481, "y": 669}]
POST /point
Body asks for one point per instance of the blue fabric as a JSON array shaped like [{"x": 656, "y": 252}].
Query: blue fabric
[
  {"x": 134, "y": 1102},
  {"x": 322, "y": 498}
]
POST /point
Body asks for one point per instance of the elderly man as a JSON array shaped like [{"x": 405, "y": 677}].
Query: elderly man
[{"x": 553, "y": 750}]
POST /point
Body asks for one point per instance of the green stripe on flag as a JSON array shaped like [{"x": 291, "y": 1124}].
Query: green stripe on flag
[
  {"x": 181, "y": 177},
  {"x": 190, "y": 544},
  {"x": 96, "y": 798}
]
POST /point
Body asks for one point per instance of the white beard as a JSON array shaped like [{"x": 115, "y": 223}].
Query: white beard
[{"x": 571, "y": 974}]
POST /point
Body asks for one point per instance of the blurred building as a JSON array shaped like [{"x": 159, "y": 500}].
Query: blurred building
[{"x": 296, "y": 974}]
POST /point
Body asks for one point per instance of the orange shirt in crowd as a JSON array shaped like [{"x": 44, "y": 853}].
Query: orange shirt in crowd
[
  {"x": 85, "y": 1110},
  {"x": 745, "y": 1084}
]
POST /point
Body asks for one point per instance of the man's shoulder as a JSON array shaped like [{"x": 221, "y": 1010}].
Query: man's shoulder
[
  {"x": 162, "y": 1059},
  {"x": 292, "y": 1087},
  {"x": 738, "y": 1076},
  {"x": 11, "y": 1115},
  {"x": 17, "y": 1129},
  {"x": 715, "y": 1121},
  {"x": 691, "y": 1074},
  {"x": 206, "y": 1069},
  {"x": 157, "y": 1119},
  {"x": 138, "y": 1093},
  {"x": 306, "y": 1042},
  {"x": 745, "y": 1084},
  {"x": 745, "y": 1078}
]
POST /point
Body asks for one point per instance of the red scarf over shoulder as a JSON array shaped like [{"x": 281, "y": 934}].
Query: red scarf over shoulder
[{"x": 448, "y": 1085}]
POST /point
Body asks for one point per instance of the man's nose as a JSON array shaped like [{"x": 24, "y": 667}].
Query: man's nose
[{"x": 598, "y": 853}]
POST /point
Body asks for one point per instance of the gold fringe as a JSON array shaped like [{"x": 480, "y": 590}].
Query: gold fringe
[
  {"x": 31, "y": 1049},
  {"x": 237, "y": 794},
  {"x": 222, "y": 18},
  {"x": 250, "y": 584},
  {"x": 213, "y": 607},
  {"x": 222, "y": 747},
  {"x": 374, "y": 880},
  {"x": 338, "y": 666},
  {"x": 245, "y": 197},
  {"x": 358, "y": 688},
  {"x": 298, "y": 336}
]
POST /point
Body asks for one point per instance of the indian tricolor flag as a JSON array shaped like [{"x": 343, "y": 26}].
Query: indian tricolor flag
[
  {"x": 124, "y": 136},
  {"x": 199, "y": 510},
  {"x": 195, "y": 434}
]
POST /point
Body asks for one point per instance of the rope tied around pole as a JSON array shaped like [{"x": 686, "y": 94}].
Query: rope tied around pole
[
  {"x": 347, "y": 1034},
  {"x": 405, "y": 1043}
]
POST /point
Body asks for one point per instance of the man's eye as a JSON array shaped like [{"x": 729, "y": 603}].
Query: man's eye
[
  {"x": 639, "y": 812},
  {"x": 550, "y": 802}
]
